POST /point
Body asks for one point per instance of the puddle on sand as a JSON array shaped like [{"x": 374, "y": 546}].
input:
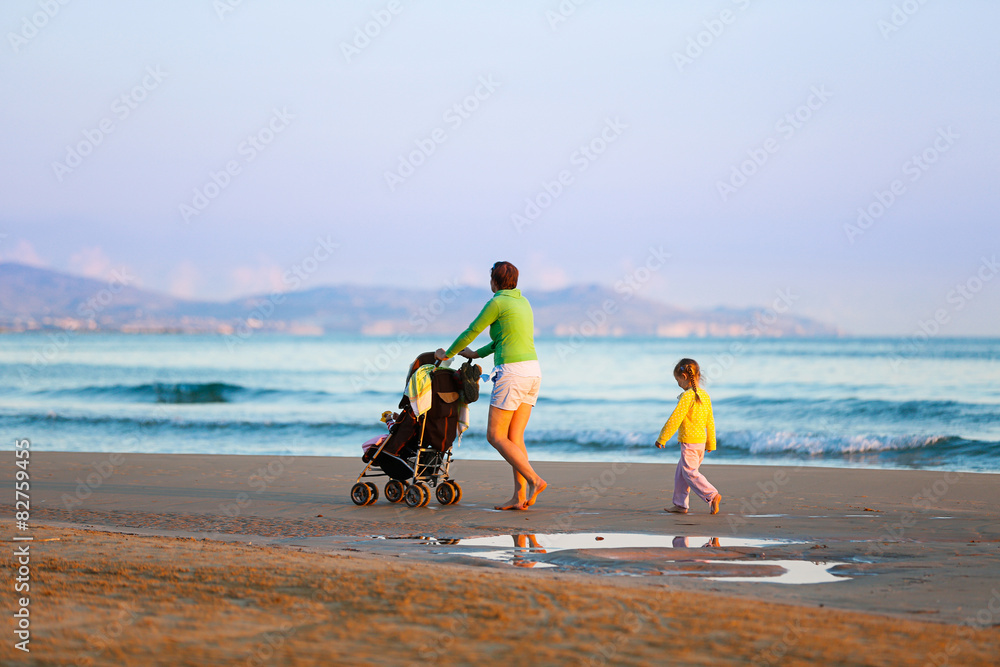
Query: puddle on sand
[
  {"x": 519, "y": 548},
  {"x": 796, "y": 572},
  {"x": 532, "y": 550}
]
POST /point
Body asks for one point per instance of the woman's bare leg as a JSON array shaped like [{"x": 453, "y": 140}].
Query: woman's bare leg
[
  {"x": 515, "y": 433},
  {"x": 527, "y": 483},
  {"x": 499, "y": 422}
]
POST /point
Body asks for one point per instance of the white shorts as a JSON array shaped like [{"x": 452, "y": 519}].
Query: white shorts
[{"x": 510, "y": 391}]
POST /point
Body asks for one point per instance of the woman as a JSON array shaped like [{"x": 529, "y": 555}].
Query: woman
[{"x": 516, "y": 377}]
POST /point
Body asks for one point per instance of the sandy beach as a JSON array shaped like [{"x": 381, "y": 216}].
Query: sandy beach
[{"x": 149, "y": 559}]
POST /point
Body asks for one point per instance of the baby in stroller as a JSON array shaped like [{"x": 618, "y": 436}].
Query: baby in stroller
[{"x": 416, "y": 453}]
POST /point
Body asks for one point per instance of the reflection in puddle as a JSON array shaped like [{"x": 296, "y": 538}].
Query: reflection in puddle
[
  {"x": 527, "y": 544},
  {"x": 562, "y": 541},
  {"x": 535, "y": 550},
  {"x": 525, "y": 547},
  {"x": 684, "y": 542}
]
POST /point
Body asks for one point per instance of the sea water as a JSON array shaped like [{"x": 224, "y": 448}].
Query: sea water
[{"x": 846, "y": 402}]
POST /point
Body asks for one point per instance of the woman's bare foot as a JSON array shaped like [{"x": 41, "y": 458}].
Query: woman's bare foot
[
  {"x": 515, "y": 503},
  {"x": 534, "y": 490},
  {"x": 716, "y": 501}
]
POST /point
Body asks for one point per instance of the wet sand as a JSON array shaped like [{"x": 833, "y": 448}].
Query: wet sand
[{"x": 190, "y": 559}]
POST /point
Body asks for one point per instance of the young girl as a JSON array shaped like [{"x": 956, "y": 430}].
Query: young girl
[{"x": 693, "y": 416}]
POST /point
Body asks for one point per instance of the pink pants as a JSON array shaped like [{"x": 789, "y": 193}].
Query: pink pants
[{"x": 688, "y": 477}]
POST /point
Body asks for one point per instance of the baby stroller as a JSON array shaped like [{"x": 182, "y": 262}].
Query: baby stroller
[{"x": 417, "y": 451}]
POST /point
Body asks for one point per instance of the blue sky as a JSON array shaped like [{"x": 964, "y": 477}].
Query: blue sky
[{"x": 208, "y": 148}]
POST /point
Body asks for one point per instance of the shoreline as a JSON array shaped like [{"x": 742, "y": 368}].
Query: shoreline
[
  {"x": 911, "y": 552},
  {"x": 663, "y": 459}
]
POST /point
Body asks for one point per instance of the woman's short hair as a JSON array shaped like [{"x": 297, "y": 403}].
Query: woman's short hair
[{"x": 504, "y": 274}]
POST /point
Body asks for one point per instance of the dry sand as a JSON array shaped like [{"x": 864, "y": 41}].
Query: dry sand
[{"x": 152, "y": 566}]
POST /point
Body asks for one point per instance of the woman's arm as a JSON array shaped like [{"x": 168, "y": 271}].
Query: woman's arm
[
  {"x": 486, "y": 317},
  {"x": 468, "y": 353}
]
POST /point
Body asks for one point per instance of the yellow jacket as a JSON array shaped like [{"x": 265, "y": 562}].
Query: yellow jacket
[{"x": 694, "y": 420}]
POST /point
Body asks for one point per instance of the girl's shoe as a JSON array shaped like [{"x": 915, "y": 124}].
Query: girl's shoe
[
  {"x": 676, "y": 509},
  {"x": 716, "y": 501}
]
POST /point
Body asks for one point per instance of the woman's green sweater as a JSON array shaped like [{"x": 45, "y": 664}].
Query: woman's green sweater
[{"x": 512, "y": 329}]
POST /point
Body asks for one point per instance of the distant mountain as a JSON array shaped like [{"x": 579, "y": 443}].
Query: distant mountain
[
  {"x": 30, "y": 297},
  {"x": 33, "y": 298}
]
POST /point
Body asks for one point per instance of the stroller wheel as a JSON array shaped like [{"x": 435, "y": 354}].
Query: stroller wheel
[
  {"x": 414, "y": 496},
  {"x": 394, "y": 491},
  {"x": 445, "y": 493},
  {"x": 361, "y": 493},
  {"x": 458, "y": 491},
  {"x": 374, "y": 495},
  {"x": 425, "y": 491}
]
